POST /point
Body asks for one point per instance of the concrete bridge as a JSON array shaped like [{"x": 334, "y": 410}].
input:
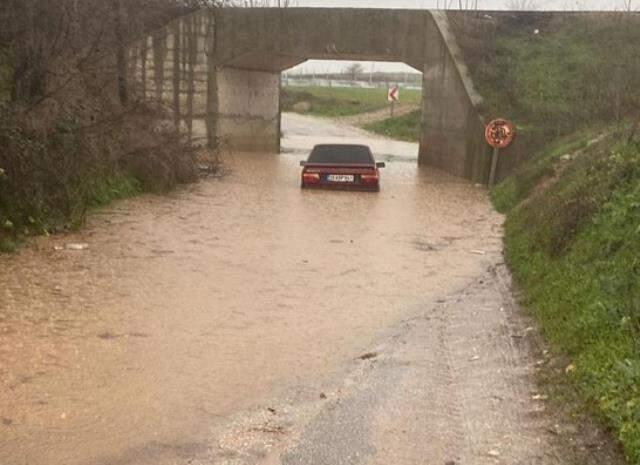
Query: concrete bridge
[{"x": 224, "y": 65}]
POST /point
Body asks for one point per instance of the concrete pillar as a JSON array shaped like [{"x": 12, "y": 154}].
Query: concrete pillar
[
  {"x": 248, "y": 109},
  {"x": 452, "y": 129}
]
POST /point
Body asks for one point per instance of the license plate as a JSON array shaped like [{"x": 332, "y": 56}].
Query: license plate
[{"x": 340, "y": 178}]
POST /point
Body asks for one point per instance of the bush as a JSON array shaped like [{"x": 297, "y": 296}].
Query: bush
[{"x": 51, "y": 177}]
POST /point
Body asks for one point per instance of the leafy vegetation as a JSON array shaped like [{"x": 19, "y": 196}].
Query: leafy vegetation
[
  {"x": 405, "y": 127},
  {"x": 518, "y": 187},
  {"x": 49, "y": 179},
  {"x": 548, "y": 73},
  {"x": 574, "y": 248},
  {"x": 340, "y": 101}
]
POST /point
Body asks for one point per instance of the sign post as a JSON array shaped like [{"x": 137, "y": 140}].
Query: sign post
[
  {"x": 393, "y": 96},
  {"x": 494, "y": 166},
  {"x": 499, "y": 134}
]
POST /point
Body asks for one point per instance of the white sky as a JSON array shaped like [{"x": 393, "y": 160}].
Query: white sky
[{"x": 333, "y": 66}]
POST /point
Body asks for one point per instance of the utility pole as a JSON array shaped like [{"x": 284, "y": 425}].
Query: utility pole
[{"x": 373, "y": 65}]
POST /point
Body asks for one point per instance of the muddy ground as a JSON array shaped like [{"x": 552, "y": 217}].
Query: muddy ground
[{"x": 241, "y": 320}]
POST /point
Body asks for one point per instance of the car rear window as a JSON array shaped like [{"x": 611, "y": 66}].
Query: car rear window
[{"x": 358, "y": 154}]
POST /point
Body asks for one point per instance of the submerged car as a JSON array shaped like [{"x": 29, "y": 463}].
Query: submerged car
[{"x": 341, "y": 166}]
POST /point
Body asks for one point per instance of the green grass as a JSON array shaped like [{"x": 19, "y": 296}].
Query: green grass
[
  {"x": 515, "y": 189},
  {"x": 574, "y": 249},
  {"x": 560, "y": 80},
  {"x": 7, "y": 245},
  {"x": 342, "y": 101},
  {"x": 107, "y": 189},
  {"x": 405, "y": 127}
]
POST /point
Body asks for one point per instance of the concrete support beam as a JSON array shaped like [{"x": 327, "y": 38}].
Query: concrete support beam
[
  {"x": 248, "y": 111},
  {"x": 452, "y": 129}
]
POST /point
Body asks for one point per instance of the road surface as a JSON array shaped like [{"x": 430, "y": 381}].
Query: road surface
[{"x": 241, "y": 320}]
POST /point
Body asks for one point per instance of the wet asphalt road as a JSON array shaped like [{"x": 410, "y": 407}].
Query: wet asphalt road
[{"x": 242, "y": 321}]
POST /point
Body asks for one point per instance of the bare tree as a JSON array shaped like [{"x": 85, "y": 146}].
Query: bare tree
[
  {"x": 627, "y": 5},
  {"x": 265, "y": 3},
  {"x": 354, "y": 70},
  {"x": 522, "y": 5}
]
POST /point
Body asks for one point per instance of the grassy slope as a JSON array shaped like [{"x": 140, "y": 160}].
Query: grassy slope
[
  {"x": 405, "y": 127},
  {"x": 341, "y": 101},
  {"x": 561, "y": 79},
  {"x": 574, "y": 248}
]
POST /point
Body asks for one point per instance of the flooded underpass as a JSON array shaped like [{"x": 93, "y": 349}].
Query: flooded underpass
[{"x": 242, "y": 320}]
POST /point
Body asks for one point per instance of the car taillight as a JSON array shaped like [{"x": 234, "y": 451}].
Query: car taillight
[
  {"x": 369, "y": 178},
  {"x": 311, "y": 178}
]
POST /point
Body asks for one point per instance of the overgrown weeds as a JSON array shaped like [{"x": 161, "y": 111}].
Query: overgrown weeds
[{"x": 51, "y": 177}]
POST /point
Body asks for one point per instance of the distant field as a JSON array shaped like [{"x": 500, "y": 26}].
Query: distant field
[{"x": 340, "y": 101}]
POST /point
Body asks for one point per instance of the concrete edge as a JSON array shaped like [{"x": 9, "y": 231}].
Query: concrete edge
[{"x": 442, "y": 22}]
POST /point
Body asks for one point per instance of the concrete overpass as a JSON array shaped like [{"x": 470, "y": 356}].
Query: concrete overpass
[{"x": 225, "y": 65}]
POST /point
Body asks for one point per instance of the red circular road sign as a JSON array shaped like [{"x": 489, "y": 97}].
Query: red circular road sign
[{"x": 500, "y": 133}]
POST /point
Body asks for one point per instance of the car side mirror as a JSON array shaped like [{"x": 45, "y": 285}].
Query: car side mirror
[
  {"x": 380, "y": 164},
  {"x": 303, "y": 163}
]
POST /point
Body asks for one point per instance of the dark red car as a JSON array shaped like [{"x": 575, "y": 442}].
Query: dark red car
[{"x": 341, "y": 166}]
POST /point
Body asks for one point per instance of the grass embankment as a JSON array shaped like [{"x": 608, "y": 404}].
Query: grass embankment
[
  {"x": 405, "y": 127},
  {"x": 547, "y": 73},
  {"x": 573, "y": 244},
  {"x": 340, "y": 101}
]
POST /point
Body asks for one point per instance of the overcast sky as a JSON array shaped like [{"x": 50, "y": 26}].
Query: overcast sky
[{"x": 333, "y": 66}]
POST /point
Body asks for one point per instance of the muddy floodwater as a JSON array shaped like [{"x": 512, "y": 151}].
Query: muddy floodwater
[{"x": 189, "y": 314}]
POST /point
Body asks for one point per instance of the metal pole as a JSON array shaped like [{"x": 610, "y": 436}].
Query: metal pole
[{"x": 494, "y": 166}]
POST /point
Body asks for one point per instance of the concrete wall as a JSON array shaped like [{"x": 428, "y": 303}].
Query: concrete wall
[
  {"x": 452, "y": 129},
  {"x": 172, "y": 67},
  {"x": 248, "y": 111}
]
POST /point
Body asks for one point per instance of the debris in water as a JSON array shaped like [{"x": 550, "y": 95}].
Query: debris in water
[
  {"x": 368, "y": 355},
  {"x": 323, "y": 395},
  {"x": 493, "y": 453},
  {"x": 474, "y": 358},
  {"x": 478, "y": 252},
  {"x": 77, "y": 246}
]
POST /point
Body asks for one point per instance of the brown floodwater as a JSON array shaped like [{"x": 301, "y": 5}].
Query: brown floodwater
[{"x": 190, "y": 307}]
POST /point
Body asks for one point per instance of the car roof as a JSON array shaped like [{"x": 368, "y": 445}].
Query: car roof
[
  {"x": 343, "y": 145},
  {"x": 341, "y": 154}
]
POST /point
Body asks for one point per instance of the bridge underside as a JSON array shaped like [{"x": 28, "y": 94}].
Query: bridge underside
[{"x": 245, "y": 50}]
